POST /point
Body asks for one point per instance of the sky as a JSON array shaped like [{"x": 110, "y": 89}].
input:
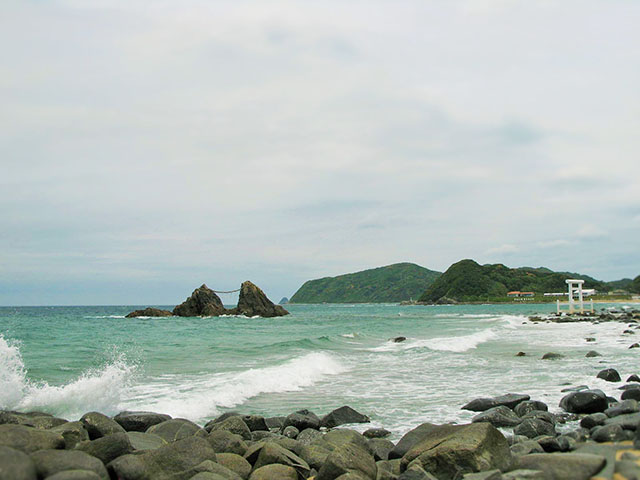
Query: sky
[{"x": 147, "y": 147}]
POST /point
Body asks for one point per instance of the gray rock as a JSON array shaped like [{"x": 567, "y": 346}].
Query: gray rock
[
  {"x": 343, "y": 415},
  {"x": 509, "y": 400},
  {"x": 627, "y": 421},
  {"x": 255, "y": 422},
  {"x": 348, "y": 458},
  {"x": 525, "y": 448},
  {"x": 593, "y": 420},
  {"x": 552, "y": 444},
  {"x": 176, "y": 429},
  {"x": 234, "y": 425},
  {"x": 622, "y": 408},
  {"x": 631, "y": 394},
  {"x": 275, "y": 422},
  {"x": 534, "y": 427},
  {"x": 107, "y": 448},
  {"x": 75, "y": 475},
  {"x": 500, "y": 416},
  {"x": 290, "y": 432},
  {"x": 40, "y": 420},
  {"x": 149, "y": 312},
  {"x": 223, "y": 441},
  {"x": 16, "y": 465},
  {"x": 252, "y": 301},
  {"x": 29, "y": 439},
  {"x": 139, "y": 421},
  {"x": 72, "y": 432},
  {"x": 50, "y": 462},
  {"x": 261, "y": 435},
  {"x": 207, "y": 476},
  {"x": 314, "y": 455},
  {"x": 450, "y": 451},
  {"x": 302, "y": 419},
  {"x": 585, "y": 401},
  {"x": 208, "y": 467},
  {"x": 523, "y": 474},
  {"x": 530, "y": 406},
  {"x": 541, "y": 415},
  {"x": 308, "y": 436},
  {"x": 552, "y": 356},
  {"x": 488, "y": 475},
  {"x": 341, "y": 436},
  {"x": 608, "y": 433},
  {"x": 202, "y": 302},
  {"x": 235, "y": 463},
  {"x": 609, "y": 374},
  {"x": 271, "y": 453},
  {"x": 99, "y": 425},
  {"x": 593, "y": 353},
  {"x": 273, "y": 472},
  {"x": 560, "y": 466},
  {"x": 412, "y": 438},
  {"x": 145, "y": 441},
  {"x": 380, "y": 448},
  {"x": 376, "y": 433},
  {"x": 163, "y": 462}
]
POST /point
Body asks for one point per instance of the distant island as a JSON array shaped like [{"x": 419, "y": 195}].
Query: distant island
[
  {"x": 467, "y": 281},
  {"x": 389, "y": 284},
  {"x": 464, "y": 282}
]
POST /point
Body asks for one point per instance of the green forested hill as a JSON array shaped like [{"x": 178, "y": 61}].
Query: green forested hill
[
  {"x": 467, "y": 281},
  {"x": 393, "y": 283},
  {"x": 635, "y": 285}
]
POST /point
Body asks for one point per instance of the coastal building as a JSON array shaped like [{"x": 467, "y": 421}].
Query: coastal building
[
  {"x": 575, "y": 289},
  {"x": 518, "y": 294}
]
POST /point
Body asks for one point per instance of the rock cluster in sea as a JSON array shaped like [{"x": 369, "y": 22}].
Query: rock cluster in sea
[
  {"x": 151, "y": 446},
  {"x": 204, "y": 302}
]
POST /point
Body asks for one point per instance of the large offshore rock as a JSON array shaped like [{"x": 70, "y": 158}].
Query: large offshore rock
[
  {"x": 348, "y": 458},
  {"x": 450, "y": 451},
  {"x": 562, "y": 466},
  {"x": 176, "y": 429},
  {"x": 149, "y": 312},
  {"x": 203, "y": 302},
  {"x": 509, "y": 400},
  {"x": 163, "y": 462},
  {"x": 139, "y": 421},
  {"x": 342, "y": 416},
  {"x": 107, "y": 448},
  {"x": 50, "y": 462},
  {"x": 99, "y": 425},
  {"x": 253, "y": 302},
  {"x": 585, "y": 401},
  {"x": 16, "y": 465},
  {"x": 29, "y": 439}
]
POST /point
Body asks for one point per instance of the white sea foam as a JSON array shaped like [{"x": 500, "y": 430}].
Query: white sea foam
[
  {"x": 100, "y": 389},
  {"x": 460, "y": 343},
  {"x": 106, "y": 316},
  {"x": 201, "y": 397}
]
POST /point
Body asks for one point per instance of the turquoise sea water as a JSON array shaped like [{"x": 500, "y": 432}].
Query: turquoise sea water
[{"x": 70, "y": 360}]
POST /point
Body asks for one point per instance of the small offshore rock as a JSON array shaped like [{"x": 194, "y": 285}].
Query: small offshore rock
[
  {"x": 585, "y": 401},
  {"x": 529, "y": 406},
  {"x": 634, "y": 345},
  {"x": 399, "y": 339},
  {"x": 342, "y": 416},
  {"x": 633, "y": 378},
  {"x": 609, "y": 375},
  {"x": 509, "y": 400},
  {"x": 521, "y": 354},
  {"x": 149, "y": 312},
  {"x": 593, "y": 420},
  {"x": 593, "y": 353},
  {"x": 590, "y": 339},
  {"x": 552, "y": 356}
]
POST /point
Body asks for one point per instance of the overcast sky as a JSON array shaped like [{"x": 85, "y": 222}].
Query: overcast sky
[{"x": 148, "y": 146}]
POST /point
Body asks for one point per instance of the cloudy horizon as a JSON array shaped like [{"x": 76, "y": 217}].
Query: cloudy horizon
[{"x": 150, "y": 147}]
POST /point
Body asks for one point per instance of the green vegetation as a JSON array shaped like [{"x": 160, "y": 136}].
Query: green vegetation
[
  {"x": 467, "y": 281},
  {"x": 635, "y": 285},
  {"x": 393, "y": 283}
]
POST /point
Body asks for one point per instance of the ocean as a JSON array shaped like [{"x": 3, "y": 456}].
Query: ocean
[{"x": 71, "y": 360}]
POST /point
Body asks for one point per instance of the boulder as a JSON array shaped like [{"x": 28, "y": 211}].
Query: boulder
[
  {"x": 203, "y": 302},
  {"x": 206, "y": 470},
  {"x": 235, "y": 463},
  {"x": 50, "y": 462},
  {"x": 72, "y": 432},
  {"x": 541, "y": 415},
  {"x": 500, "y": 416},
  {"x": 302, "y": 419},
  {"x": 631, "y": 394},
  {"x": 380, "y": 448},
  {"x": 315, "y": 455},
  {"x": 149, "y": 312},
  {"x": 534, "y": 427},
  {"x": 593, "y": 420},
  {"x": 526, "y": 447},
  {"x": 412, "y": 438},
  {"x": 274, "y": 422},
  {"x": 107, "y": 448},
  {"x": 145, "y": 441},
  {"x": 609, "y": 374},
  {"x": 308, "y": 436},
  {"x": 99, "y": 425},
  {"x": 585, "y": 401},
  {"x": 593, "y": 353},
  {"x": 562, "y": 466},
  {"x": 342, "y": 416},
  {"x": 253, "y": 302},
  {"x": 509, "y": 400},
  {"x": 29, "y": 439},
  {"x": 176, "y": 429},
  {"x": 627, "y": 421},
  {"x": 622, "y": 408},
  {"x": 270, "y": 453},
  {"x": 552, "y": 356},
  {"x": 530, "y": 406},
  {"x": 348, "y": 458},
  {"x": 608, "y": 433},
  {"x": 488, "y": 475},
  {"x": 376, "y": 433},
  {"x": 342, "y": 436},
  {"x": 633, "y": 378},
  {"x": 255, "y": 422},
  {"x": 233, "y": 424},
  {"x": 275, "y": 471},
  {"x": 75, "y": 475},
  {"x": 449, "y": 451},
  {"x": 290, "y": 432},
  {"x": 223, "y": 441},
  {"x": 139, "y": 421},
  {"x": 161, "y": 463},
  {"x": 40, "y": 420},
  {"x": 16, "y": 465},
  {"x": 550, "y": 444},
  {"x": 523, "y": 474}
]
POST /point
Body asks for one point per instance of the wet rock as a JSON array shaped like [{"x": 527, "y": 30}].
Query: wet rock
[
  {"x": 29, "y": 439},
  {"x": 223, "y": 441},
  {"x": 593, "y": 420},
  {"x": 271, "y": 472},
  {"x": 634, "y": 345},
  {"x": 107, "y": 448},
  {"x": 521, "y": 354},
  {"x": 203, "y": 302},
  {"x": 176, "y": 429},
  {"x": 450, "y": 451},
  {"x": 562, "y": 443},
  {"x": 412, "y": 438},
  {"x": 534, "y": 427},
  {"x": 631, "y": 394},
  {"x": 399, "y": 339},
  {"x": 50, "y": 462},
  {"x": 552, "y": 356},
  {"x": 72, "y": 432},
  {"x": 149, "y": 312},
  {"x": 376, "y": 433},
  {"x": 380, "y": 448},
  {"x": 509, "y": 400},
  {"x": 633, "y": 378},
  {"x": 270, "y": 453},
  {"x": 139, "y": 421},
  {"x": 145, "y": 441},
  {"x": 342, "y": 416},
  {"x": 348, "y": 458},
  {"x": 585, "y": 401},
  {"x": 590, "y": 339},
  {"x": 500, "y": 416},
  {"x": 308, "y": 436},
  {"x": 255, "y": 422},
  {"x": 592, "y": 353},
  {"x": 99, "y": 425},
  {"x": 622, "y": 408},
  {"x": 16, "y": 465},
  {"x": 163, "y": 462},
  {"x": 290, "y": 432},
  {"x": 525, "y": 448},
  {"x": 529, "y": 406},
  {"x": 302, "y": 419},
  {"x": 574, "y": 466},
  {"x": 234, "y": 425},
  {"x": 609, "y": 374},
  {"x": 541, "y": 415},
  {"x": 608, "y": 433},
  {"x": 253, "y": 302}
]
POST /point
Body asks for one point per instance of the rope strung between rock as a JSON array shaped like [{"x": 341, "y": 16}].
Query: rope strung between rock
[{"x": 230, "y": 291}]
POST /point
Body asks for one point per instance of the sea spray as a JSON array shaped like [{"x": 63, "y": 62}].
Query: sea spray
[{"x": 12, "y": 375}]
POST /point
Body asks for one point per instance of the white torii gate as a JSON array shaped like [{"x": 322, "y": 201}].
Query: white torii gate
[{"x": 575, "y": 286}]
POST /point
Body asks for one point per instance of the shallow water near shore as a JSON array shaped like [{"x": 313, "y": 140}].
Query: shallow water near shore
[{"x": 71, "y": 360}]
